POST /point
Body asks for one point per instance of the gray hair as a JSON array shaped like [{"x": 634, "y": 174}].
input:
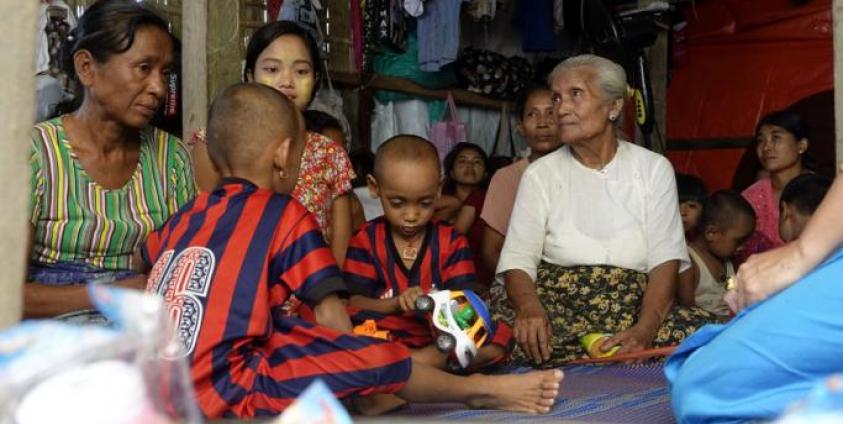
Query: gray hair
[{"x": 611, "y": 78}]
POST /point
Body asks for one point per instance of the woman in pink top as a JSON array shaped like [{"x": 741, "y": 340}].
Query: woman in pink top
[
  {"x": 782, "y": 140},
  {"x": 538, "y": 126}
]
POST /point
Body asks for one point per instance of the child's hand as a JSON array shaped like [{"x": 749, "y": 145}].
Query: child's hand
[{"x": 407, "y": 300}]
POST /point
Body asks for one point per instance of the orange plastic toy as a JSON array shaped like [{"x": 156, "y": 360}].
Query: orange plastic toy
[{"x": 370, "y": 328}]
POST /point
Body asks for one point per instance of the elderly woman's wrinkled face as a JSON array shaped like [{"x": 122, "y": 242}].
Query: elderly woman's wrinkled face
[
  {"x": 582, "y": 112},
  {"x": 778, "y": 149},
  {"x": 130, "y": 86}
]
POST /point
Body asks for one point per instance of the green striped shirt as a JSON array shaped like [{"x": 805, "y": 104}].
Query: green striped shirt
[{"x": 77, "y": 220}]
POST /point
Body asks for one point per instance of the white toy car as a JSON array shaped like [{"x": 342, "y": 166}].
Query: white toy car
[{"x": 461, "y": 319}]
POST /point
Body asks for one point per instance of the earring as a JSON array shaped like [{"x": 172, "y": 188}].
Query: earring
[
  {"x": 282, "y": 174},
  {"x": 612, "y": 117}
]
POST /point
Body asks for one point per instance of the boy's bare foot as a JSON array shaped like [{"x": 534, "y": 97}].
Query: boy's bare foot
[
  {"x": 534, "y": 392},
  {"x": 378, "y": 404}
]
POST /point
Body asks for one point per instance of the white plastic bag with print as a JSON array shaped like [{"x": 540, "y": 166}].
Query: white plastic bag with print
[{"x": 58, "y": 372}]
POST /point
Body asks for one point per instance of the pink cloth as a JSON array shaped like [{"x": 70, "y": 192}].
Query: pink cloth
[
  {"x": 500, "y": 197},
  {"x": 760, "y": 195}
]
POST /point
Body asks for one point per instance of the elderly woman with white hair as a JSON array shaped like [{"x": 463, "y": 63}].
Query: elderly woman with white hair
[{"x": 595, "y": 240}]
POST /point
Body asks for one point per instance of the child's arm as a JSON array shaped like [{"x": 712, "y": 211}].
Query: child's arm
[
  {"x": 382, "y": 306},
  {"x": 358, "y": 218},
  {"x": 331, "y": 312},
  {"x": 465, "y": 219},
  {"x": 405, "y": 302},
  {"x": 446, "y": 207},
  {"x": 686, "y": 286},
  {"x": 340, "y": 227}
]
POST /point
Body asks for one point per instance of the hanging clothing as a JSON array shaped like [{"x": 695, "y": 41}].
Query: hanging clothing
[
  {"x": 537, "y": 24},
  {"x": 439, "y": 34},
  {"x": 52, "y": 34}
]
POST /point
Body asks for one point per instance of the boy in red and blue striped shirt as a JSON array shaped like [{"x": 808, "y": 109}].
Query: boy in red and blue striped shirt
[
  {"x": 227, "y": 262},
  {"x": 403, "y": 254}
]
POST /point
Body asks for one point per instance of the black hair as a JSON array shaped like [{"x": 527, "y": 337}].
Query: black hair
[
  {"x": 318, "y": 121},
  {"x": 691, "y": 189},
  {"x": 521, "y": 101},
  {"x": 806, "y": 192},
  {"x": 363, "y": 162},
  {"x": 107, "y": 28},
  {"x": 450, "y": 186},
  {"x": 792, "y": 122},
  {"x": 723, "y": 207},
  {"x": 265, "y": 35}
]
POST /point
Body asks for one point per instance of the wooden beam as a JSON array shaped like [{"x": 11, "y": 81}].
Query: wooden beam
[
  {"x": 194, "y": 62},
  {"x": 17, "y": 109},
  {"x": 710, "y": 143},
  {"x": 838, "y": 83},
  {"x": 381, "y": 82}
]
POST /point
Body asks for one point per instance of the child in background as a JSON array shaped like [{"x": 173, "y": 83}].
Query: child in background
[
  {"x": 692, "y": 199},
  {"x": 323, "y": 123},
  {"x": 800, "y": 198},
  {"x": 726, "y": 223},
  {"x": 227, "y": 262},
  {"x": 404, "y": 254},
  {"x": 466, "y": 174}
]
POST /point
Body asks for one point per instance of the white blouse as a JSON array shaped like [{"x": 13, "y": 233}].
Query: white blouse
[{"x": 624, "y": 215}]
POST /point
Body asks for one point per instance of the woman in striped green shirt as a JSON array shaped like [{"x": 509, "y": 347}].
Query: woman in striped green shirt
[{"x": 102, "y": 178}]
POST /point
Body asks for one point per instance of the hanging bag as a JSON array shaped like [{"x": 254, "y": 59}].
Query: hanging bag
[{"x": 446, "y": 133}]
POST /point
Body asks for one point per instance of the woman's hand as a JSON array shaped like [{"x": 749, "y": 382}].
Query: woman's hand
[
  {"x": 532, "y": 332},
  {"x": 407, "y": 300},
  {"x": 633, "y": 339},
  {"x": 768, "y": 273}
]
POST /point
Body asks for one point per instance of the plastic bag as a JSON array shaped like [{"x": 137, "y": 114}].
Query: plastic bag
[
  {"x": 132, "y": 373},
  {"x": 447, "y": 133}
]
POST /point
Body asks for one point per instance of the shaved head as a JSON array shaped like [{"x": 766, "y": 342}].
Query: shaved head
[
  {"x": 245, "y": 120},
  {"x": 403, "y": 148}
]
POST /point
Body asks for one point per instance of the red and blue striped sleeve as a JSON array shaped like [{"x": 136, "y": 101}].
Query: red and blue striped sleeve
[
  {"x": 458, "y": 271},
  {"x": 359, "y": 269},
  {"x": 305, "y": 263}
]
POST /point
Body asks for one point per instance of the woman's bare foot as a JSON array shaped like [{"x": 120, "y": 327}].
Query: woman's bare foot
[
  {"x": 378, "y": 404},
  {"x": 534, "y": 392}
]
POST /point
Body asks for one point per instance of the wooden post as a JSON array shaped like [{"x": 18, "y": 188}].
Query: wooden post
[
  {"x": 657, "y": 60},
  {"x": 838, "y": 83},
  {"x": 194, "y": 65},
  {"x": 225, "y": 45},
  {"x": 17, "y": 111}
]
